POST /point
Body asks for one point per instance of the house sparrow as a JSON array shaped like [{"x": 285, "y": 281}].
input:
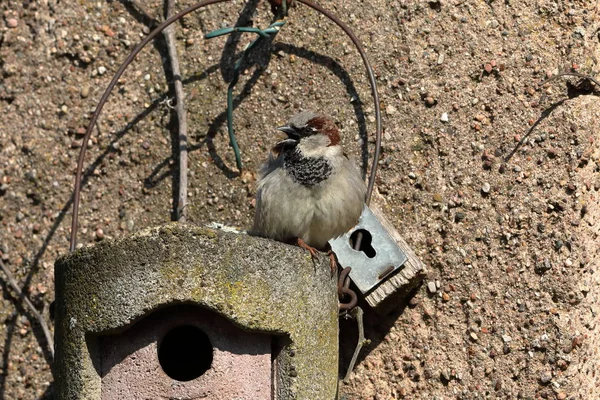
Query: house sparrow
[{"x": 308, "y": 191}]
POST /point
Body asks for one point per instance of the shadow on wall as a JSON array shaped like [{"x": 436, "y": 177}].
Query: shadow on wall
[{"x": 376, "y": 328}]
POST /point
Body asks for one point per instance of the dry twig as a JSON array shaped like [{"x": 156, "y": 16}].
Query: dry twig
[
  {"x": 181, "y": 113},
  {"x": 357, "y": 313},
  {"x": 34, "y": 311}
]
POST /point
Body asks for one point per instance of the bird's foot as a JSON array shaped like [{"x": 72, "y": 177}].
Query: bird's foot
[
  {"x": 314, "y": 253},
  {"x": 332, "y": 261}
]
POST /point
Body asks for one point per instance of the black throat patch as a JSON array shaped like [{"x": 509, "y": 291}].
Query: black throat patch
[{"x": 307, "y": 171}]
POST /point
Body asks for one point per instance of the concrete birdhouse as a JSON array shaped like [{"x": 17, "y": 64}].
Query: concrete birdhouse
[{"x": 182, "y": 312}]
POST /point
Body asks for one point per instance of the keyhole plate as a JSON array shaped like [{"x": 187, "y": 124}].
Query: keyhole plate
[{"x": 368, "y": 269}]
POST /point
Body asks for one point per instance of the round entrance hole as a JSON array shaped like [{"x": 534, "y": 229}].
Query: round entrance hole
[{"x": 185, "y": 353}]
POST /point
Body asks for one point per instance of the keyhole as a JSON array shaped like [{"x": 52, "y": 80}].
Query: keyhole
[{"x": 365, "y": 244}]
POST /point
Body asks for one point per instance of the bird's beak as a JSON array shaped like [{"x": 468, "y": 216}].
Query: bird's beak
[{"x": 288, "y": 130}]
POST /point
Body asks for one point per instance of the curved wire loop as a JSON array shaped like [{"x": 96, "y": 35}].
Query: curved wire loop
[{"x": 158, "y": 30}]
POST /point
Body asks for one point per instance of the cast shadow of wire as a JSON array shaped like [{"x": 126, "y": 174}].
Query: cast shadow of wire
[
  {"x": 572, "y": 92},
  {"x": 156, "y": 176},
  {"x": 545, "y": 114},
  {"x": 260, "y": 57},
  {"x": 228, "y": 55},
  {"x": 35, "y": 264}
]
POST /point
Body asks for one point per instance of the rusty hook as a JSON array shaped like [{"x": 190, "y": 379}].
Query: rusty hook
[{"x": 344, "y": 291}]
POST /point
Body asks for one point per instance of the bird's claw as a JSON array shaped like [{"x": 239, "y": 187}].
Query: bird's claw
[
  {"x": 332, "y": 262},
  {"x": 314, "y": 254}
]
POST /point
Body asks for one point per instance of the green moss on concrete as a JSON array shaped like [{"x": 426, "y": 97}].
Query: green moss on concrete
[{"x": 258, "y": 284}]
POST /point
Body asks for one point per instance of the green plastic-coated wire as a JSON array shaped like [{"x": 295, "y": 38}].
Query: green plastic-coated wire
[{"x": 262, "y": 34}]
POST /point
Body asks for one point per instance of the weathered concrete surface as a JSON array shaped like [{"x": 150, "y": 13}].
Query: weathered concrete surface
[{"x": 258, "y": 284}]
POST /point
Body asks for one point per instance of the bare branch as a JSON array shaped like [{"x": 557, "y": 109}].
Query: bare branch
[
  {"x": 357, "y": 313},
  {"x": 181, "y": 113},
  {"x": 34, "y": 311}
]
